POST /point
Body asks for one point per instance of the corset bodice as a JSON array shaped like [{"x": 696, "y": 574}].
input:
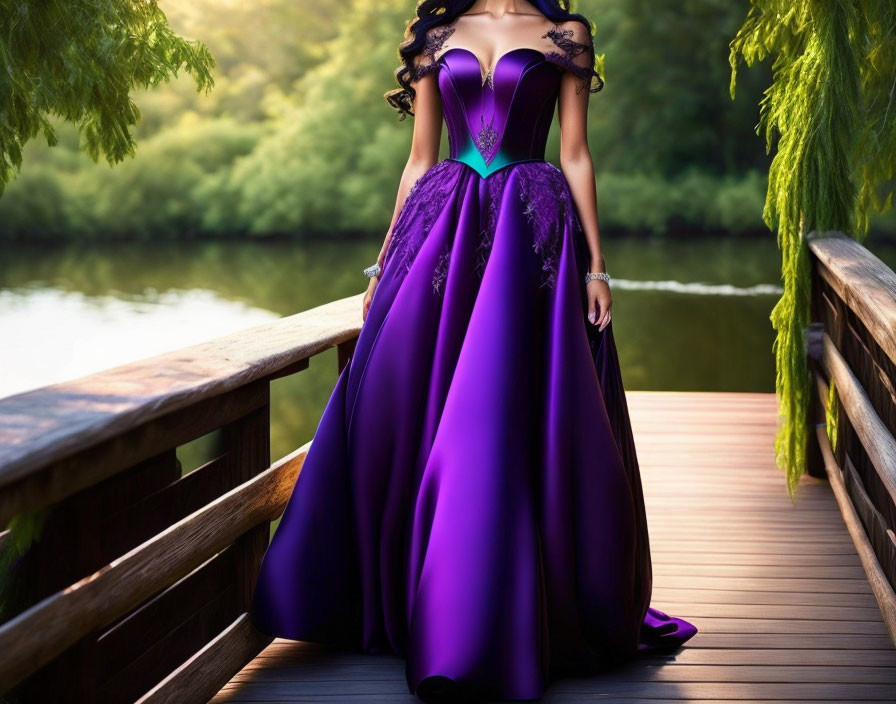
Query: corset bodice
[
  {"x": 504, "y": 120},
  {"x": 504, "y": 116}
]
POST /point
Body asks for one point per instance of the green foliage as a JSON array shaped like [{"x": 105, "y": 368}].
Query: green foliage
[
  {"x": 666, "y": 107},
  {"x": 79, "y": 60},
  {"x": 694, "y": 200},
  {"x": 321, "y": 151},
  {"x": 180, "y": 186},
  {"x": 333, "y": 161},
  {"x": 832, "y": 416},
  {"x": 261, "y": 49},
  {"x": 828, "y": 114},
  {"x": 24, "y": 529},
  {"x": 186, "y": 190}
]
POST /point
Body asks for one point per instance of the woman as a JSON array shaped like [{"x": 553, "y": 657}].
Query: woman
[{"x": 472, "y": 499}]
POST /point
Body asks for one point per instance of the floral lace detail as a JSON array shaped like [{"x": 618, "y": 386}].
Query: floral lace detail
[
  {"x": 440, "y": 272},
  {"x": 545, "y": 201},
  {"x": 569, "y": 50},
  {"x": 549, "y": 210},
  {"x": 494, "y": 191},
  {"x": 425, "y": 61},
  {"x": 547, "y": 205},
  {"x": 425, "y": 200},
  {"x": 563, "y": 39},
  {"x": 487, "y": 140}
]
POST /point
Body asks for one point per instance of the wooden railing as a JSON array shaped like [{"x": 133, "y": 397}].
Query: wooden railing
[
  {"x": 852, "y": 345},
  {"x": 139, "y": 586}
]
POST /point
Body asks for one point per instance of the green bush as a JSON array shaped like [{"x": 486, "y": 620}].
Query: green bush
[{"x": 696, "y": 201}]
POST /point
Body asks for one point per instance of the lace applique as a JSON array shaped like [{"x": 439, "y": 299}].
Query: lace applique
[
  {"x": 545, "y": 200},
  {"x": 425, "y": 200},
  {"x": 577, "y": 57},
  {"x": 425, "y": 61},
  {"x": 547, "y": 205},
  {"x": 549, "y": 210},
  {"x": 494, "y": 192},
  {"x": 487, "y": 140},
  {"x": 440, "y": 272}
]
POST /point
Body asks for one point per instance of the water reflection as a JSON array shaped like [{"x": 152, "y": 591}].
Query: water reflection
[
  {"x": 689, "y": 314},
  {"x": 52, "y": 335}
]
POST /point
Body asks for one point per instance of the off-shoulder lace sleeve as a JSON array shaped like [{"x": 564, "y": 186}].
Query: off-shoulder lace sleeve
[
  {"x": 426, "y": 61},
  {"x": 574, "y": 51}
]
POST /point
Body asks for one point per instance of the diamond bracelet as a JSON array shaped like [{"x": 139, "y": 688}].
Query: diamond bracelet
[
  {"x": 374, "y": 270},
  {"x": 602, "y": 275}
]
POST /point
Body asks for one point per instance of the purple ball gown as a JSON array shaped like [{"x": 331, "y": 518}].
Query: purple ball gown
[{"x": 472, "y": 499}]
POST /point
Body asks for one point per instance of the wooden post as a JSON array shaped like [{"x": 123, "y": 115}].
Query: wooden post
[
  {"x": 816, "y": 419},
  {"x": 345, "y": 350},
  {"x": 249, "y": 440},
  {"x": 814, "y": 334},
  {"x": 74, "y": 529}
]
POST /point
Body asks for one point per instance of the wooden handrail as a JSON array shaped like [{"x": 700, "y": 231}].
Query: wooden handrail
[
  {"x": 851, "y": 344},
  {"x": 159, "y": 566},
  {"x": 876, "y": 439},
  {"x": 50, "y": 626},
  {"x": 45, "y": 426},
  {"x": 864, "y": 282},
  {"x": 203, "y": 673},
  {"x": 881, "y": 588}
]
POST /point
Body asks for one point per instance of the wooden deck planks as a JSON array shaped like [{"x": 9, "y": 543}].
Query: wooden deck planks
[{"x": 776, "y": 589}]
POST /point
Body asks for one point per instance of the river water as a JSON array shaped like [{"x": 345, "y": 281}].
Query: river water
[{"x": 688, "y": 314}]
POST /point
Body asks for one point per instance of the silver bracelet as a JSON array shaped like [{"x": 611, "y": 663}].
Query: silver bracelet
[
  {"x": 602, "y": 275},
  {"x": 372, "y": 271}
]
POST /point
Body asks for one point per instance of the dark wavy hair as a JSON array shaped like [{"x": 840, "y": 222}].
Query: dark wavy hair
[{"x": 431, "y": 13}]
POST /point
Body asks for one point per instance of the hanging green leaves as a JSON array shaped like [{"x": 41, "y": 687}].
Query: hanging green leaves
[
  {"x": 830, "y": 118},
  {"x": 78, "y": 60}
]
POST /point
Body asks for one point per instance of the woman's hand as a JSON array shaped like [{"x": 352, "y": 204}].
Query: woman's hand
[
  {"x": 368, "y": 296},
  {"x": 599, "y": 302}
]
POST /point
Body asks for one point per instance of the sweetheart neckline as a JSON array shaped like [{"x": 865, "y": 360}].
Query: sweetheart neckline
[{"x": 484, "y": 77}]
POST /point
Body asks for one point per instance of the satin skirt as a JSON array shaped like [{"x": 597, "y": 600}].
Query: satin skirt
[{"x": 471, "y": 499}]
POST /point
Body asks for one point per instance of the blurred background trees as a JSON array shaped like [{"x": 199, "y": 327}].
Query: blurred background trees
[
  {"x": 296, "y": 139},
  {"x": 79, "y": 61}
]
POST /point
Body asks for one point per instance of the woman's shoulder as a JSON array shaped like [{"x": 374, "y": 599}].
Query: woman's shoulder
[
  {"x": 571, "y": 36},
  {"x": 573, "y": 49},
  {"x": 433, "y": 40}
]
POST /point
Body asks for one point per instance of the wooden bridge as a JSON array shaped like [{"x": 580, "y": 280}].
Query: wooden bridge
[{"x": 139, "y": 586}]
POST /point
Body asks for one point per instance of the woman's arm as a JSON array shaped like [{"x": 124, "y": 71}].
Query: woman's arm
[
  {"x": 578, "y": 168},
  {"x": 424, "y": 154},
  {"x": 425, "y": 142}
]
